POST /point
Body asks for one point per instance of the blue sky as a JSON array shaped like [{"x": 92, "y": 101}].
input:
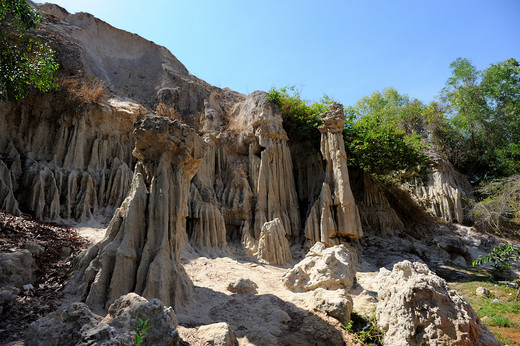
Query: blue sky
[{"x": 345, "y": 49}]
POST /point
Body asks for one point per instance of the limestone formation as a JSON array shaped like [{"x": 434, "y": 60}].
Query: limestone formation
[
  {"x": 337, "y": 303},
  {"x": 142, "y": 247},
  {"x": 416, "y": 307},
  {"x": 329, "y": 268},
  {"x": 7, "y": 200},
  {"x": 217, "y": 334},
  {"x": 444, "y": 192},
  {"x": 207, "y": 228},
  {"x": 77, "y": 325},
  {"x": 273, "y": 246},
  {"x": 270, "y": 164},
  {"x": 335, "y": 214},
  {"x": 242, "y": 286},
  {"x": 377, "y": 215}
]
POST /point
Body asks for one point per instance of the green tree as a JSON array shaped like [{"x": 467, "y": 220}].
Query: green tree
[
  {"x": 25, "y": 62},
  {"x": 385, "y": 135},
  {"x": 484, "y": 115}
]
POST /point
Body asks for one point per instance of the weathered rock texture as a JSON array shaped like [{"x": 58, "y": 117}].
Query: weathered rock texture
[
  {"x": 329, "y": 268},
  {"x": 77, "y": 325},
  {"x": 444, "y": 192},
  {"x": 273, "y": 246},
  {"x": 416, "y": 307},
  {"x": 17, "y": 268},
  {"x": 334, "y": 215},
  {"x": 57, "y": 163},
  {"x": 337, "y": 303},
  {"x": 217, "y": 334},
  {"x": 142, "y": 248},
  {"x": 377, "y": 215}
]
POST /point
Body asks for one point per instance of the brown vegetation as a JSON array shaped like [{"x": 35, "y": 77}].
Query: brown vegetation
[{"x": 84, "y": 92}]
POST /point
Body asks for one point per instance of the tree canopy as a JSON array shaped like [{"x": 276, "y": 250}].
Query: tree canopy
[{"x": 25, "y": 62}]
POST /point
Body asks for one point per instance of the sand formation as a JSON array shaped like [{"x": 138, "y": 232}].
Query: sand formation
[{"x": 218, "y": 175}]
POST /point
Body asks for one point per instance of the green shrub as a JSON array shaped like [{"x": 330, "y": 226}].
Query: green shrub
[
  {"x": 365, "y": 329},
  {"x": 501, "y": 257}
]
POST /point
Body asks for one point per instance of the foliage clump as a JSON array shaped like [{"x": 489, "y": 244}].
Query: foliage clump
[
  {"x": 25, "y": 62},
  {"x": 374, "y": 142},
  {"x": 501, "y": 257},
  {"x": 365, "y": 329}
]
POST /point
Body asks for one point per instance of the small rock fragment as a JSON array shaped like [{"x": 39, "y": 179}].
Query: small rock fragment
[{"x": 242, "y": 286}]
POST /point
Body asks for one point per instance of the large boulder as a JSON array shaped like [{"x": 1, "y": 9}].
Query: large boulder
[
  {"x": 416, "y": 307},
  {"x": 17, "y": 268},
  {"x": 330, "y": 268},
  {"x": 337, "y": 304},
  {"x": 76, "y": 324},
  {"x": 217, "y": 334}
]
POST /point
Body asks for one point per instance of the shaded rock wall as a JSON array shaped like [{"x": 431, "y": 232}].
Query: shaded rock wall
[
  {"x": 58, "y": 163},
  {"x": 142, "y": 247}
]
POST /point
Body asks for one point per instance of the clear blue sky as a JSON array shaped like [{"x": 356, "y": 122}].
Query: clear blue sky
[{"x": 346, "y": 49}]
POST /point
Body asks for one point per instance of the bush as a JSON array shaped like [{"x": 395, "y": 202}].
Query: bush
[
  {"x": 84, "y": 92},
  {"x": 501, "y": 257}
]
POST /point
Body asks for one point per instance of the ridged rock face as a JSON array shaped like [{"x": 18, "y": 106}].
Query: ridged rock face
[
  {"x": 334, "y": 215},
  {"x": 270, "y": 165},
  {"x": 416, "y": 307},
  {"x": 377, "y": 215},
  {"x": 443, "y": 193},
  {"x": 57, "y": 164},
  {"x": 142, "y": 248},
  {"x": 273, "y": 246}
]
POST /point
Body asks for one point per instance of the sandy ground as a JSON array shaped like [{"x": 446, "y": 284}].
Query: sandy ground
[{"x": 260, "y": 317}]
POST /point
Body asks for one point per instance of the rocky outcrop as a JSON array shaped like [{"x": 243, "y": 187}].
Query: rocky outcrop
[
  {"x": 242, "y": 286},
  {"x": 217, "y": 334},
  {"x": 329, "y": 268},
  {"x": 60, "y": 164},
  {"x": 334, "y": 215},
  {"x": 142, "y": 248},
  {"x": 416, "y": 307},
  {"x": 337, "y": 304},
  {"x": 77, "y": 325},
  {"x": 273, "y": 246},
  {"x": 444, "y": 192},
  {"x": 17, "y": 268},
  {"x": 377, "y": 215}
]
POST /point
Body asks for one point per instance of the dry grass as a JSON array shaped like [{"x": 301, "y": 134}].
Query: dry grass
[
  {"x": 167, "y": 111},
  {"x": 84, "y": 92}
]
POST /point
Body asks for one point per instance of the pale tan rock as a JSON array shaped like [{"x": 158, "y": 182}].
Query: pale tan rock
[
  {"x": 330, "y": 268},
  {"x": 207, "y": 228},
  {"x": 335, "y": 303},
  {"x": 270, "y": 164},
  {"x": 334, "y": 214},
  {"x": 139, "y": 255},
  {"x": 242, "y": 286},
  {"x": 217, "y": 334},
  {"x": 77, "y": 325},
  {"x": 444, "y": 192},
  {"x": 417, "y": 307},
  {"x": 273, "y": 246}
]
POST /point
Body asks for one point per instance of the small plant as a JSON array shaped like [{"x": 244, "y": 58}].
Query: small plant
[
  {"x": 140, "y": 330},
  {"x": 501, "y": 257},
  {"x": 365, "y": 329}
]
